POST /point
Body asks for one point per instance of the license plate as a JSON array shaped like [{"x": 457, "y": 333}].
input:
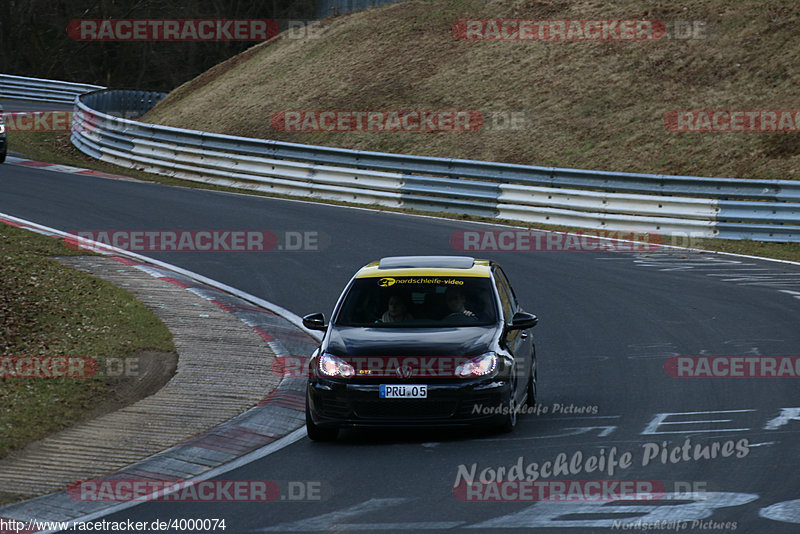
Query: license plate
[{"x": 403, "y": 391}]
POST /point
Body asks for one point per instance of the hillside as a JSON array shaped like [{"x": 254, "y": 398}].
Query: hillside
[{"x": 586, "y": 103}]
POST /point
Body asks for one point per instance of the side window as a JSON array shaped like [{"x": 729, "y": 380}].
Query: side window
[
  {"x": 514, "y": 303},
  {"x": 505, "y": 293}
]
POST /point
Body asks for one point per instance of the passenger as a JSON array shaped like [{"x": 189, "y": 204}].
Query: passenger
[
  {"x": 456, "y": 302},
  {"x": 398, "y": 310}
]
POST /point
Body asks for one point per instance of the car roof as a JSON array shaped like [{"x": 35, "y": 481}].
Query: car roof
[{"x": 426, "y": 266}]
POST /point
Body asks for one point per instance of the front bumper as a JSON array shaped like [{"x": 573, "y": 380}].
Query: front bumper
[{"x": 334, "y": 403}]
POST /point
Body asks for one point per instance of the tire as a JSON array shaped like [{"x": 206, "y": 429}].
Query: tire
[
  {"x": 2, "y": 157},
  {"x": 531, "y": 389},
  {"x": 510, "y": 419},
  {"x": 317, "y": 433}
]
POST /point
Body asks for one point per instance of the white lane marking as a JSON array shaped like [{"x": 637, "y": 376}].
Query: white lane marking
[
  {"x": 660, "y": 419},
  {"x": 787, "y": 511},
  {"x": 772, "y": 278},
  {"x": 738, "y": 272},
  {"x": 263, "y": 452},
  {"x": 786, "y": 415},
  {"x": 670, "y": 508}
]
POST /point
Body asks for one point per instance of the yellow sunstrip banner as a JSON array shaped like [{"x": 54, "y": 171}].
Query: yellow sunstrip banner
[{"x": 477, "y": 271}]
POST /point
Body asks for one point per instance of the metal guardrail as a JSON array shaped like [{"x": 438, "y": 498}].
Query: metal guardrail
[
  {"x": 702, "y": 207},
  {"x": 42, "y": 90},
  {"x": 124, "y": 103},
  {"x": 729, "y": 208}
]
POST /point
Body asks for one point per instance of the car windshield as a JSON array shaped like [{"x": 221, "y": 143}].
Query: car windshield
[{"x": 418, "y": 301}]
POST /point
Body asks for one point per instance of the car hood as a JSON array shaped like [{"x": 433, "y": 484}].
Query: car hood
[{"x": 464, "y": 341}]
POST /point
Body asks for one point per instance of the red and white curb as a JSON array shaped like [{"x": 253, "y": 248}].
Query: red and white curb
[{"x": 69, "y": 169}]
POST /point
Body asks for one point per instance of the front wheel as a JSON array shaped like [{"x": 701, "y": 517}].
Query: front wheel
[
  {"x": 317, "y": 433},
  {"x": 510, "y": 419},
  {"x": 531, "y": 389}
]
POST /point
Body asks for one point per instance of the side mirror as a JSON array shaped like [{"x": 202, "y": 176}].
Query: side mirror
[
  {"x": 315, "y": 321},
  {"x": 523, "y": 321}
]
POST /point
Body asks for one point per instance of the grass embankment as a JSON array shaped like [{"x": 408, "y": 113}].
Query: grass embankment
[
  {"x": 47, "y": 310},
  {"x": 588, "y": 104},
  {"x": 597, "y": 105}
]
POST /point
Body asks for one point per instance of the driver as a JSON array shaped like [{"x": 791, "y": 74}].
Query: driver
[{"x": 456, "y": 302}]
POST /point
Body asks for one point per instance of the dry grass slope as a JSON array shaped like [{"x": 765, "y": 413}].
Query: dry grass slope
[{"x": 598, "y": 105}]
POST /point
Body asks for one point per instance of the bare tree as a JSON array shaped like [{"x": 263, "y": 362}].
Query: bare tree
[{"x": 34, "y": 39}]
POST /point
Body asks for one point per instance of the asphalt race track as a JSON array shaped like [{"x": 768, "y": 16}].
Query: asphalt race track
[
  {"x": 25, "y": 105},
  {"x": 608, "y": 323}
]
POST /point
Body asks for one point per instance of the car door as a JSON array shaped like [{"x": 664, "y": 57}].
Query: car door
[{"x": 517, "y": 342}]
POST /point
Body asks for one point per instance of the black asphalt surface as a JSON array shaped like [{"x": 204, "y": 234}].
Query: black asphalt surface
[
  {"x": 29, "y": 105},
  {"x": 608, "y": 322}
]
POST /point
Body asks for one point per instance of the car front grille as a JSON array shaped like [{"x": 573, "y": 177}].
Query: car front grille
[{"x": 405, "y": 408}]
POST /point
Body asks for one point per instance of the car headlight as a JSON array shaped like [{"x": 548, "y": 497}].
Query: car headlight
[
  {"x": 478, "y": 366},
  {"x": 2, "y": 127},
  {"x": 330, "y": 365}
]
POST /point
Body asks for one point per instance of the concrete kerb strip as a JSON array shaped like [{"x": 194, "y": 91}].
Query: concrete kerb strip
[{"x": 279, "y": 414}]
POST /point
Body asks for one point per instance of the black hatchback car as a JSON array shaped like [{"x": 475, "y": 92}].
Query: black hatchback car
[{"x": 422, "y": 340}]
